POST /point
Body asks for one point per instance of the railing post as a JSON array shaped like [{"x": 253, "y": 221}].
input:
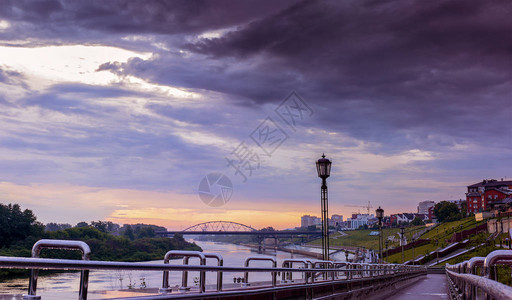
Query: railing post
[
  {"x": 59, "y": 244},
  {"x": 288, "y": 263},
  {"x": 220, "y": 263},
  {"x": 184, "y": 279},
  {"x": 265, "y": 258}
]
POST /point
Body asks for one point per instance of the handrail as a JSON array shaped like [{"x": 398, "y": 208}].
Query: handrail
[
  {"x": 322, "y": 267},
  {"x": 327, "y": 265},
  {"x": 493, "y": 288},
  {"x": 469, "y": 285},
  {"x": 220, "y": 263},
  {"x": 184, "y": 277},
  {"x": 474, "y": 262},
  {"x": 494, "y": 258},
  {"x": 65, "y": 245},
  {"x": 77, "y": 265},
  {"x": 288, "y": 263},
  {"x": 262, "y": 258}
]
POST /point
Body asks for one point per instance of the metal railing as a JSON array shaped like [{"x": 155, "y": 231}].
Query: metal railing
[
  {"x": 327, "y": 271},
  {"x": 64, "y": 245},
  {"x": 477, "y": 277},
  {"x": 288, "y": 263},
  {"x": 261, "y": 258},
  {"x": 184, "y": 277}
]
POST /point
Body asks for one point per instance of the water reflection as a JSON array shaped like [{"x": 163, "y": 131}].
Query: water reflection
[{"x": 234, "y": 255}]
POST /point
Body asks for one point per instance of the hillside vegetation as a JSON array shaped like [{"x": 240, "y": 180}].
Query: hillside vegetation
[{"x": 20, "y": 230}]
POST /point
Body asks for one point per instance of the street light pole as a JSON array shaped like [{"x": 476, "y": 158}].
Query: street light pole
[
  {"x": 413, "y": 251},
  {"x": 323, "y": 167},
  {"x": 402, "y": 242},
  {"x": 387, "y": 242},
  {"x": 379, "y": 212}
]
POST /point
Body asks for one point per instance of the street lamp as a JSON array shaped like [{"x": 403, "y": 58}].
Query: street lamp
[
  {"x": 380, "y": 214},
  {"x": 323, "y": 167},
  {"x": 402, "y": 241},
  {"x": 387, "y": 242},
  {"x": 413, "y": 251}
]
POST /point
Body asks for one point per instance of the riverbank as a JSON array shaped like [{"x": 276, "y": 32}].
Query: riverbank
[
  {"x": 288, "y": 250},
  {"x": 112, "y": 281}
]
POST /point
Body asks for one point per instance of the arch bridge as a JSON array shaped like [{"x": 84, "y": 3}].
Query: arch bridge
[
  {"x": 220, "y": 226},
  {"x": 234, "y": 228}
]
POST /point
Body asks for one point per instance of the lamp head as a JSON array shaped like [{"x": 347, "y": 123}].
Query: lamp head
[
  {"x": 323, "y": 167},
  {"x": 379, "y": 212}
]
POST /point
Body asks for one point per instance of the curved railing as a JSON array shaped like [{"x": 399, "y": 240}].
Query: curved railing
[
  {"x": 320, "y": 275},
  {"x": 477, "y": 277}
]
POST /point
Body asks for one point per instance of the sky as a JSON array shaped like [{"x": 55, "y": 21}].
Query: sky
[{"x": 128, "y": 111}]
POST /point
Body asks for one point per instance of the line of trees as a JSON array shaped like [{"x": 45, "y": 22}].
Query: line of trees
[{"x": 19, "y": 230}]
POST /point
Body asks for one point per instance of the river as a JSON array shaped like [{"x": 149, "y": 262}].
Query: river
[{"x": 234, "y": 255}]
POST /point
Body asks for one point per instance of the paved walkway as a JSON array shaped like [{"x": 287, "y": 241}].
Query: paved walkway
[{"x": 432, "y": 286}]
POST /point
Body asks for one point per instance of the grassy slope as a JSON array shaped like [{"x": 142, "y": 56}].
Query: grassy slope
[
  {"x": 441, "y": 233},
  {"x": 361, "y": 238}
]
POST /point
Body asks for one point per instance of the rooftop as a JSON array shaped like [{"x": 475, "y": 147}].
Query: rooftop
[{"x": 491, "y": 183}]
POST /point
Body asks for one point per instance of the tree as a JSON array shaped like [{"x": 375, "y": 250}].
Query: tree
[
  {"x": 112, "y": 227},
  {"x": 54, "y": 226},
  {"x": 128, "y": 232},
  {"x": 81, "y": 224},
  {"x": 100, "y": 225},
  {"x": 17, "y": 225},
  {"x": 446, "y": 211},
  {"x": 268, "y": 229},
  {"x": 417, "y": 221}
]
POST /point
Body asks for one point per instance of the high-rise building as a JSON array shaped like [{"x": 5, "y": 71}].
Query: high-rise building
[
  {"x": 307, "y": 220},
  {"x": 424, "y": 206}
]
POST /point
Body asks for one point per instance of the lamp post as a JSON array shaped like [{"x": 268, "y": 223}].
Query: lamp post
[
  {"x": 346, "y": 255},
  {"x": 379, "y": 212},
  {"x": 387, "y": 242},
  {"x": 413, "y": 251},
  {"x": 323, "y": 167},
  {"x": 501, "y": 221},
  {"x": 402, "y": 241}
]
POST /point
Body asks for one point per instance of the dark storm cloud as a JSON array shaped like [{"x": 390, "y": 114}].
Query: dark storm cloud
[
  {"x": 379, "y": 70},
  {"x": 68, "y": 17},
  {"x": 376, "y": 49},
  {"x": 245, "y": 86}
]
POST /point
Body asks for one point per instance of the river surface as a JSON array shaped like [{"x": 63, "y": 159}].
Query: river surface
[{"x": 234, "y": 255}]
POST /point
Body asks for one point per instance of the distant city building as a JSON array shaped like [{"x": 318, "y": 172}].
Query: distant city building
[
  {"x": 359, "y": 220},
  {"x": 431, "y": 213},
  {"x": 307, "y": 220},
  {"x": 408, "y": 217},
  {"x": 424, "y": 206},
  {"x": 337, "y": 220},
  {"x": 481, "y": 196}
]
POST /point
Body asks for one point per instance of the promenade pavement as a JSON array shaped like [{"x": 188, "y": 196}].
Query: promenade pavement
[{"x": 432, "y": 286}]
